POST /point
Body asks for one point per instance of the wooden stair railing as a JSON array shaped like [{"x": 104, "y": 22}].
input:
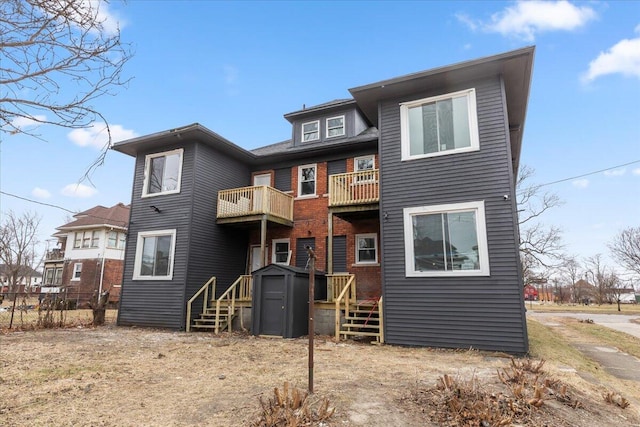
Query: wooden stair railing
[
  {"x": 345, "y": 295},
  {"x": 211, "y": 283},
  {"x": 240, "y": 290},
  {"x": 364, "y": 319}
]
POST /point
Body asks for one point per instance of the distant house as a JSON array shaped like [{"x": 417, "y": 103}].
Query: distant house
[
  {"x": 405, "y": 192},
  {"x": 28, "y": 279},
  {"x": 90, "y": 254}
]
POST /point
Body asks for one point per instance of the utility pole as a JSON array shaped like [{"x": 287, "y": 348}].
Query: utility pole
[{"x": 312, "y": 277}]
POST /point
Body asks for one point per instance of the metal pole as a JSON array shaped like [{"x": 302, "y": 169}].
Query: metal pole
[{"x": 312, "y": 274}]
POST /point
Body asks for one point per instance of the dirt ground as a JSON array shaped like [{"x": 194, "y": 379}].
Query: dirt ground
[{"x": 111, "y": 376}]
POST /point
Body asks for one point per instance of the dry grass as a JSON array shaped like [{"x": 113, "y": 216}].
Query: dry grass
[{"x": 578, "y": 308}]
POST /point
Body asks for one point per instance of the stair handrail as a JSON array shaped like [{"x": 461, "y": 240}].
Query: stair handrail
[
  {"x": 205, "y": 304},
  {"x": 346, "y": 294},
  {"x": 380, "y": 322},
  {"x": 244, "y": 293}
]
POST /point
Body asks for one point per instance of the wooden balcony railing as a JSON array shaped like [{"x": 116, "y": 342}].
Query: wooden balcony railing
[
  {"x": 258, "y": 200},
  {"x": 54, "y": 255},
  {"x": 354, "y": 188}
]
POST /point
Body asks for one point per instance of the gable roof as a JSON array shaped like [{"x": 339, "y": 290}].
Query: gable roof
[{"x": 115, "y": 216}]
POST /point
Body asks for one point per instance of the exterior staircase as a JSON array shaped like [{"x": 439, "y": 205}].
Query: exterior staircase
[
  {"x": 363, "y": 320},
  {"x": 207, "y": 319},
  {"x": 217, "y": 314}
]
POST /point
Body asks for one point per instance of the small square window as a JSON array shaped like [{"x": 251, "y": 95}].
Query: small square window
[
  {"x": 77, "y": 271},
  {"x": 365, "y": 166},
  {"x": 163, "y": 172},
  {"x": 306, "y": 180},
  {"x": 311, "y": 131},
  {"x": 280, "y": 251},
  {"x": 335, "y": 126},
  {"x": 366, "y": 248}
]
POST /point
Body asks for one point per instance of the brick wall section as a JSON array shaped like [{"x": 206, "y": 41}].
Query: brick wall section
[
  {"x": 90, "y": 279},
  {"x": 310, "y": 217}
]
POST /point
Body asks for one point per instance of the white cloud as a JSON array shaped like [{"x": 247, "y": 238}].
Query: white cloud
[
  {"x": 40, "y": 193},
  {"x": 78, "y": 190},
  {"x": 96, "y": 135},
  {"x": 615, "y": 172},
  {"x": 527, "y": 18},
  {"x": 636, "y": 171},
  {"x": 581, "y": 183},
  {"x": 623, "y": 58},
  {"x": 21, "y": 122}
]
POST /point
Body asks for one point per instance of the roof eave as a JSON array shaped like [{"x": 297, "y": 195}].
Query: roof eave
[{"x": 193, "y": 131}]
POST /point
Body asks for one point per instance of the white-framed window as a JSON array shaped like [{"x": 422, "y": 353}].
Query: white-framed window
[
  {"x": 362, "y": 164},
  {"x": 335, "y": 126},
  {"x": 116, "y": 240},
  {"x": 311, "y": 131},
  {"x": 112, "y": 239},
  {"x": 86, "y": 239},
  {"x": 307, "y": 180},
  {"x": 446, "y": 240},
  {"x": 280, "y": 251},
  {"x": 162, "y": 173},
  {"x": 367, "y": 248},
  {"x": 77, "y": 242},
  {"x": 122, "y": 240},
  {"x": 439, "y": 125},
  {"x": 154, "y": 255},
  {"x": 95, "y": 239},
  {"x": 77, "y": 271}
]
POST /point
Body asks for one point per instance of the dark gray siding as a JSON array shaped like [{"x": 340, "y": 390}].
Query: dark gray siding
[
  {"x": 458, "y": 312},
  {"x": 335, "y": 167},
  {"x": 202, "y": 248},
  {"x": 283, "y": 179},
  {"x": 157, "y": 303},
  {"x": 214, "y": 250},
  {"x": 302, "y": 255},
  {"x": 339, "y": 254},
  {"x": 350, "y": 123}
]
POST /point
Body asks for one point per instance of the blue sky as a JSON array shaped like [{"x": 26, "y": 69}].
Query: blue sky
[{"x": 238, "y": 67}]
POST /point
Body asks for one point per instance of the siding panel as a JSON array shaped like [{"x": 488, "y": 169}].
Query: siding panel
[{"x": 459, "y": 312}]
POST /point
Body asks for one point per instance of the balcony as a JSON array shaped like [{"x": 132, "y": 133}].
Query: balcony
[
  {"x": 54, "y": 255},
  {"x": 355, "y": 191},
  {"x": 251, "y": 204}
]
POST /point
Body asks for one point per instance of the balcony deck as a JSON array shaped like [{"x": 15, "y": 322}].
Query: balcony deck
[
  {"x": 251, "y": 204},
  {"x": 354, "y": 191}
]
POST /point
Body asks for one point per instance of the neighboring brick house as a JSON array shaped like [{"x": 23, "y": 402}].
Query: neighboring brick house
[
  {"x": 90, "y": 253},
  {"x": 409, "y": 187}
]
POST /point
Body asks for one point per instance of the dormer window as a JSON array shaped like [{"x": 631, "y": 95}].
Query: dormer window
[
  {"x": 335, "y": 126},
  {"x": 311, "y": 131}
]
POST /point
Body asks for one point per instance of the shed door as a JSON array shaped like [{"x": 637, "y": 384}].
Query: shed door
[{"x": 272, "y": 311}]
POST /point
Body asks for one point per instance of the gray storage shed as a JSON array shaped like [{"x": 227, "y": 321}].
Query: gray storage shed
[{"x": 281, "y": 300}]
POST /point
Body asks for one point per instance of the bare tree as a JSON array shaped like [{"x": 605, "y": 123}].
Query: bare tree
[
  {"x": 598, "y": 271},
  {"x": 540, "y": 244},
  {"x": 625, "y": 247},
  {"x": 571, "y": 274},
  {"x": 18, "y": 238},
  {"x": 57, "y": 58}
]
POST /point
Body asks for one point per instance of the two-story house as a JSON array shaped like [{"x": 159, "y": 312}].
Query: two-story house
[
  {"x": 405, "y": 192},
  {"x": 89, "y": 255}
]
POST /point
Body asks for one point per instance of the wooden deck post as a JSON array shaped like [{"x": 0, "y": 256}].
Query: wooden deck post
[
  {"x": 330, "y": 244},
  {"x": 312, "y": 277},
  {"x": 263, "y": 239}
]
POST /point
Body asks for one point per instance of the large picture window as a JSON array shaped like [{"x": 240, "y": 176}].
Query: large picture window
[
  {"x": 439, "y": 125},
  {"x": 162, "y": 173},
  {"x": 446, "y": 240},
  {"x": 154, "y": 255},
  {"x": 306, "y": 180}
]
